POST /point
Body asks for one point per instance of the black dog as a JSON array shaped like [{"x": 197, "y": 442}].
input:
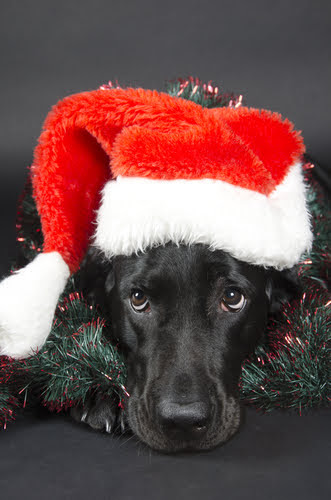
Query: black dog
[{"x": 186, "y": 318}]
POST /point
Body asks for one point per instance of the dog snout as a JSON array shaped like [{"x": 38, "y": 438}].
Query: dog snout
[{"x": 183, "y": 421}]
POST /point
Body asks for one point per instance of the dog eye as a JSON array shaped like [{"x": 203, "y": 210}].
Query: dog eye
[
  {"x": 139, "y": 301},
  {"x": 233, "y": 300}
]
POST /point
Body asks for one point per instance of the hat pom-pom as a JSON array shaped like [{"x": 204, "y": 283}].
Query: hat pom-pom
[{"x": 28, "y": 299}]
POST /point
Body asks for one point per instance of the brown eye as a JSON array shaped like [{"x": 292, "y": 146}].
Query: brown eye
[
  {"x": 232, "y": 300},
  {"x": 139, "y": 301}
]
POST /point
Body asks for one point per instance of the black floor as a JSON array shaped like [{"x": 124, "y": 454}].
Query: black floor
[{"x": 277, "y": 456}]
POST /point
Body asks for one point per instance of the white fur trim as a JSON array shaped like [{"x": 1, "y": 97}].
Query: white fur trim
[
  {"x": 28, "y": 299},
  {"x": 138, "y": 213}
]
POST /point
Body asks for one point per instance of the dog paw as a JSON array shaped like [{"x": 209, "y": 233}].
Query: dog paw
[{"x": 101, "y": 413}]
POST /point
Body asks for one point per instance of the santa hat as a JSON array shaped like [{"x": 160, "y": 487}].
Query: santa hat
[{"x": 128, "y": 169}]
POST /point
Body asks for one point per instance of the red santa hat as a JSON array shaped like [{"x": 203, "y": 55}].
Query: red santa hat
[{"x": 128, "y": 169}]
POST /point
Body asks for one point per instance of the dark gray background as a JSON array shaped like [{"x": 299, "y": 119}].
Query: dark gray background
[{"x": 277, "y": 53}]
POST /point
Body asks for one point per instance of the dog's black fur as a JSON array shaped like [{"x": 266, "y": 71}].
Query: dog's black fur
[{"x": 185, "y": 350}]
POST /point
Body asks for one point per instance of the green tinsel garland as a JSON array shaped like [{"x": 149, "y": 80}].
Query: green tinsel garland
[
  {"x": 8, "y": 402},
  {"x": 205, "y": 94},
  {"x": 76, "y": 360},
  {"x": 317, "y": 264},
  {"x": 290, "y": 370}
]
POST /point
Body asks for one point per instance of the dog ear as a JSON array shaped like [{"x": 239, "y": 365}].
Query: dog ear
[
  {"x": 96, "y": 277},
  {"x": 110, "y": 280},
  {"x": 282, "y": 286}
]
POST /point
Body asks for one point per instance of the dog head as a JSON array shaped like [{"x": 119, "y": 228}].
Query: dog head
[{"x": 186, "y": 318}]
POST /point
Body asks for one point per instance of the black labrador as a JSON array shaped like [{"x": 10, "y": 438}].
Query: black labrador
[{"x": 186, "y": 318}]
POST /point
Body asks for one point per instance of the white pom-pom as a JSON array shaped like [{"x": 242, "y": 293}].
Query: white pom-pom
[{"x": 28, "y": 299}]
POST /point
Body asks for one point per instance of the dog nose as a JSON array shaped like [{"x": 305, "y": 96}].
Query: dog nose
[{"x": 190, "y": 419}]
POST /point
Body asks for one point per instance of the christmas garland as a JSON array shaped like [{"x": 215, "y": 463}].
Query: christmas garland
[{"x": 289, "y": 370}]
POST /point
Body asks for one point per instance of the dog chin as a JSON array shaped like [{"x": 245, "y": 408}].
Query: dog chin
[{"x": 223, "y": 429}]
